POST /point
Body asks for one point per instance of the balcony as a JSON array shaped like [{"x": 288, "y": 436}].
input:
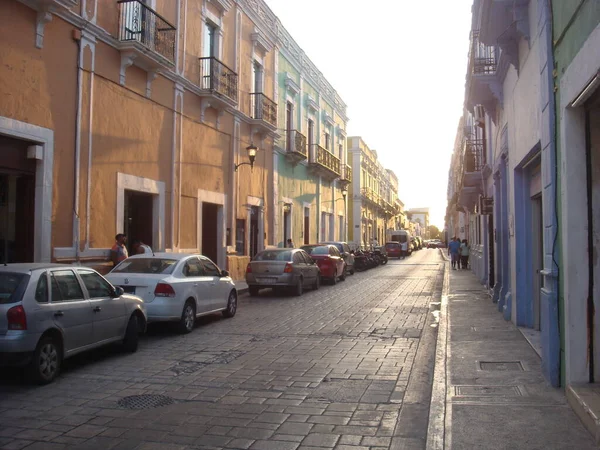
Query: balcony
[
  {"x": 146, "y": 39},
  {"x": 474, "y": 162},
  {"x": 324, "y": 163},
  {"x": 263, "y": 112},
  {"x": 370, "y": 195},
  {"x": 346, "y": 173},
  {"x": 218, "y": 81},
  {"x": 295, "y": 146},
  {"x": 483, "y": 84}
]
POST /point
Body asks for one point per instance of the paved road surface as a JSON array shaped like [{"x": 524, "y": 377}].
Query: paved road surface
[{"x": 330, "y": 369}]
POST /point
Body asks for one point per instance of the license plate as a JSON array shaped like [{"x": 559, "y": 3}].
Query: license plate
[
  {"x": 267, "y": 280},
  {"x": 129, "y": 289}
]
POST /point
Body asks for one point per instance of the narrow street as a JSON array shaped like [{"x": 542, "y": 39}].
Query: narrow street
[{"x": 347, "y": 367}]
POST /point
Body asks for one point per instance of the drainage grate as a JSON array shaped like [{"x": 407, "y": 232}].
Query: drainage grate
[
  {"x": 501, "y": 366},
  {"x": 145, "y": 401},
  {"x": 488, "y": 391}
]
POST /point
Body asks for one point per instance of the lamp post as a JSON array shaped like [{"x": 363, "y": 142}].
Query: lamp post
[{"x": 251, "y": 150}]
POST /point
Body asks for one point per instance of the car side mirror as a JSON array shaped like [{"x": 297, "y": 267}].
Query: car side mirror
[
  {"x": 224, "y": 273},
  {"x": 118, "y": 291}
]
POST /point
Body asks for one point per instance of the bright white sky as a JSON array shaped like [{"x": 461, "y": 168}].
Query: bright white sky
[{"x": 400, "y": 67}]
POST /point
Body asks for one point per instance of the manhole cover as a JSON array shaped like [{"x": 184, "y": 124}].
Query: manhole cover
[
  {"x": 501, "y": 366},
  {"x": 145, "y": 401}
]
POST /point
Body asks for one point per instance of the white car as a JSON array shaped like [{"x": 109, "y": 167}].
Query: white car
[{"x": 177, "y": 287}]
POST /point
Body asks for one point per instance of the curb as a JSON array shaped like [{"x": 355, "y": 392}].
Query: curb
[{"x": 438, "y": 437}]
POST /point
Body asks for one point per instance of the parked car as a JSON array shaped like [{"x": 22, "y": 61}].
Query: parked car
[
  {"x": 346, "y": 253},
  {"x": 329, "y": 260},
  {"x": 393, "y": 249},
  {"x": 435, "y": 243},
  {"x": 279, "y": 268},
  {"x": 414, "y": 246},
  {"x": 177, "y": 287},
  {"x": 401, "y": 236},
  {"x": 50, "y": 312}
]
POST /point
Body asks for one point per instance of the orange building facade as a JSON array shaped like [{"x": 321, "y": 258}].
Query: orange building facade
[{"x": 131, "y": 116}]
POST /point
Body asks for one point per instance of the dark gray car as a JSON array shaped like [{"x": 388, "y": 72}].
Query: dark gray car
[{"x": 278, "y": 268}]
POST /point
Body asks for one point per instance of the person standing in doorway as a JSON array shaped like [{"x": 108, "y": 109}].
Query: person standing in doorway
[
  {"x": 464, "y": 254},
  {"x": 454, "y": 252},
  {"x": 138, "y": 248},
  {"x": 290, "y": 243},
  {"x": 404, "y": 249},
  {"x": 118, "y": 252}
]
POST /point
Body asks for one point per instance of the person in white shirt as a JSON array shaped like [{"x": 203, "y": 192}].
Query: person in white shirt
[
  {"x": 139, "y": 248},
  {"x": 404, "y": 247}
]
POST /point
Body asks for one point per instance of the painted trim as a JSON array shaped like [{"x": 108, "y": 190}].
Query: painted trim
[
  {"x": 44, "y": 181},
  {"x": 149, "y": 186}
]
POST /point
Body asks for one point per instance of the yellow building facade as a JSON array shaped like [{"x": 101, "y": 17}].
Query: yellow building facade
[{"x": 132, "y": 117}]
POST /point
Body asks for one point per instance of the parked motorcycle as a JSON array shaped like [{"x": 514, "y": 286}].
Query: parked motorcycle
[{"x": 382, "y": 253}]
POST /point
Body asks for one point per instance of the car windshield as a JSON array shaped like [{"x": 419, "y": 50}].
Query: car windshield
[
  {"x": 11, "y": 288},
  {"x": 274, "y": 256},
  {"x": 161, "y": 266}
]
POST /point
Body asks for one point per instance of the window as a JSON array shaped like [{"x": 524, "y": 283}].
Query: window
[
  {"x": 12, "y": 287},
  {"x": 289, "y": 125},
  {"x": 146, "y": 265},
  {"x": 274, "y": 255},
  {"x": 307, "y": 258},
  {"x": 311, "y": 132},
  {"x": 341, "y": 148},
  {"x": 65, "y": 286},
  {"x": 298, "y": 259},
  {"x": 257, "y": 77},
  {"x": 327, "y": 137},
  {"x": 240, "y": 236},
  {"x": 210, "y": 41},
  {"x": 210, "y": 270},
  {"x": 193, "y": 268},
  {"x": 96, "y": 286},
  {"x": 41, "y": 291}
]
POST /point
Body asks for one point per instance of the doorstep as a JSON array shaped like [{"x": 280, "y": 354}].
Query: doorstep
[{"x": 585, "y": 401}]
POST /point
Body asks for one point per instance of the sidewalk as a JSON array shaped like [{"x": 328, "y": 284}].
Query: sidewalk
[{"x": 489, "y": 391}]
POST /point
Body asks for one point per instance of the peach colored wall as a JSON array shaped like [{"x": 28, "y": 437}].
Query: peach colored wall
[
  {"x": 189, "y": 221},
  {"x": 38, "y": 86},
  {"x": 132, "y": 135}
]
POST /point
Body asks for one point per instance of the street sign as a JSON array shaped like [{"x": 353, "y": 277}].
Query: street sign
[{"x": 487, "y": 206}]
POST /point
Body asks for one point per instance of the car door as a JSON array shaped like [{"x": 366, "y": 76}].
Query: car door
[
  {"x": 219, "y": 288},
  {"x": 71, "y": 311},
  {"x": 197, "y": 284},
  {"x": 312, "y": 270},
  {"x": 335, "y": 255},
  {"x": 300, "y": 267},
  {"x": 109, "y": 311}
]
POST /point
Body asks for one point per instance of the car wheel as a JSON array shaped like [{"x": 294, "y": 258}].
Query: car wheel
[
  {"x": 334, "y": 279},
  {"x": 188, "y": 318},
  {"x": 45, "y": 363},
  {"x": 352, "y": 271},
  {"x": 253, "y": 291},
  {"x": 130, "y": 342},
  {"x": 231, "y": 305},
  {"x": 343, "y": 275},
  {"x": 299, "y": 289},
  {"x": 317, "y": 284}
]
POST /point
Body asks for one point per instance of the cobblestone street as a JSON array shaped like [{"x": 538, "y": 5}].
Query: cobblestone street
[{"x": 329, "y": 369}]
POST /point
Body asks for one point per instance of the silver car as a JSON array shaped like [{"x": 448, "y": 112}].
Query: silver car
[
  {"x": 49, "y": 312},
  {"x": 282, "y": 268}
]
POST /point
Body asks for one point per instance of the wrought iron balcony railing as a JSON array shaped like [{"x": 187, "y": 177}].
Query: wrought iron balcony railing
[
  {"x": 474, "y": 155},
  {"x": 142, "y": 24},
  {"x": 347, "y": 173},
  {"x": 263, "y": 108},
  {"x": 326, "y": 159},
  {"x": 296, "y": 143},
  {"x": 484, "y": 59},
  {"x": 218, "y": 78}
]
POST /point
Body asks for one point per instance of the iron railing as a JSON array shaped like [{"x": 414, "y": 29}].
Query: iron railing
[
  {"x": 217, "y": 77},
  {"x": 484, "y": 59},
  {"x": 263, "y": 108},
  {"x": 474, "y": 155},
  {"x": 326, "y": 159},
  {"x": 142, "y": 24},
  {"x": 347, "y": 173},
  {"x": 296, "y": 143}
]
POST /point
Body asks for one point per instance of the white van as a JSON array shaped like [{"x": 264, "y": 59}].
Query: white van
[{"x": 400, "y": 236}]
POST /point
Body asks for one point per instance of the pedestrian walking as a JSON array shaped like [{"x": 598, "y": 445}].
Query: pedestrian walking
[
  {"x": 404, "y": 249},
  {"x": 118, "y": 252},
  {"x": 454, "y": 252},
  {"x": 290, "y": 243},
  {"x": 138, "y": 248},
  {"x": 465, "y": 249}
]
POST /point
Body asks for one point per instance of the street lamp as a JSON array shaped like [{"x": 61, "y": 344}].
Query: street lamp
[
  {"x": 251, "y": 150},
  {"x": 344, "y": 191}
]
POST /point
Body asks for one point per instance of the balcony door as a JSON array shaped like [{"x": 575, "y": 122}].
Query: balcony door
[
  {"x": 311, "y": 138},
  {"x": 289, "y": 125}
]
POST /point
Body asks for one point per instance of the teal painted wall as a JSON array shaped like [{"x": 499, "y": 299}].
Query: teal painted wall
[{"x": 572, "y": 21}]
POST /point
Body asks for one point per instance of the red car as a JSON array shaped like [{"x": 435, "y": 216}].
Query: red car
[
  {"x": 393, "y": 249},
  {"x": 329, "y": 260}
]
